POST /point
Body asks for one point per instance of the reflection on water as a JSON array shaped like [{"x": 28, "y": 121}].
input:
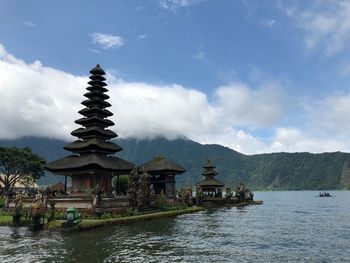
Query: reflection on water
[{"x": 290, "y": 226}]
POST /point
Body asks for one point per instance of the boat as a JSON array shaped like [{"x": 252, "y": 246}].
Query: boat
[{"x": 324, "y": 194}]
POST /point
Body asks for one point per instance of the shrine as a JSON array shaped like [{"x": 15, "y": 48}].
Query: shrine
[
  {"x": 210, "y": 187},
  {"x": 162, "y": 175}
]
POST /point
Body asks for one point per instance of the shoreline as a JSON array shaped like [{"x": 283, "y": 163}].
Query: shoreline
[
  {"x": 91, "y": 223},
  {"x": 86, "y": 224}
]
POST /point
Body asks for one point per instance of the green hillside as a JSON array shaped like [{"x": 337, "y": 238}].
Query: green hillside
[{"x": 276, "y": 171}]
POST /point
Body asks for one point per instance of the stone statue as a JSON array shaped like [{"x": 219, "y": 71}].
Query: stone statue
[
  {"x": 228, "y": 193},
  {"x": 96, "y": 202},
  {"x": 240, "y": 192},
  {"x": 133, "y": 188},
  {"x": 152, "y": 196},
  {"x": 16, "y": 216},
  {"x": 186, "y": 196},
  {"x": 37, "y": 210},
  {"x": 199, "y": 194},
  {"x": 244, "y": 194},
  {"x": 144, "y": 190}
]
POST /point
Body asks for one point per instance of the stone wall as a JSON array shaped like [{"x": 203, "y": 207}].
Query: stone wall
[{"x": 81, "y": 203}]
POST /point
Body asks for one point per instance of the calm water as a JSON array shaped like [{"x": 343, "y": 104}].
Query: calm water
[{"x": 289, "y": 227}]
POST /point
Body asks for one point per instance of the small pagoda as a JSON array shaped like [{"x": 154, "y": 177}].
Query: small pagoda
[
  {"x": 162, "y": 172},
  {"x": 210, "y": 187},
  {"x": 92, "y": 161}
]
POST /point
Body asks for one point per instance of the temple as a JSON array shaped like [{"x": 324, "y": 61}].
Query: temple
[
  {"x": 92, "y": 161},
  {"x": 162, "y": 172},
  {"x": 210, "y": 187}
]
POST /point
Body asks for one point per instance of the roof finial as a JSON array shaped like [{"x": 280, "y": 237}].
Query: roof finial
[{"x": 97, "y": 70}]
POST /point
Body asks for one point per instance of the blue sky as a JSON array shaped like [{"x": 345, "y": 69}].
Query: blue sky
[{"x": 257, "y": 76}]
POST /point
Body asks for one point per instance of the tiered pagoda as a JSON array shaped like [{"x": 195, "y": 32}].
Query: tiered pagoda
[
  {"x": 92, "y": 161},
  {"x": 210, "y": 187}
]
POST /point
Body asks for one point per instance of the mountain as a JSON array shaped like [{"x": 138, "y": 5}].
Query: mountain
[{"x": 275, "y": 171}]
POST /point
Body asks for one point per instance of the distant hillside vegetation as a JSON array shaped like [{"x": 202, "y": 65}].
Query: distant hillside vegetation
[{"x": 276, "y": 171}]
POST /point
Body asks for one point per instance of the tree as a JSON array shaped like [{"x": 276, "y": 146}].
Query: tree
[
  {"x": 18, "y": 164},
  {"x": 120, "y": 183}
]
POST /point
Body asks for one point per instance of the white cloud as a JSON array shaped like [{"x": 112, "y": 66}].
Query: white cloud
[
  {"x": 29, "y": 24},
  {"x": 325, "y": 24},
  {"x": 201, "y": 56},
  {"x": 243, "y": 106},
  {"x": 31, "y": 97},
  {"x": 41, "y": 101},
  {"x": 175, "y": 4},
  {"x": 94, "y": 51},
  {"x": 107, "y": 41},
  {"x": 331, "y": 115},
  {"x": 170, "y": 111},
  {"x": 268, "y": 22},
  {"x": 236, "y": 139},
  {"x": 142, "y": 36},
  {"x": 295, "y": 140}
]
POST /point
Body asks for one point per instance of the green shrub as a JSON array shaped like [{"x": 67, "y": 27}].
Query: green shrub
[
  {"x": 106, "y": 215},
  {"x": 174, "y": 207},
  {"x": 3, "y": 213},
  {"x": 161, "y": 202},
  {"x": 2, "y": 202},
  {"x": 121, "y": 184}
]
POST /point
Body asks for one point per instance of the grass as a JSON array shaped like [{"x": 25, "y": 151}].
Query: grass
[
  {"x": 94, "y": 223},
  {"x": 5, "y": 220}
]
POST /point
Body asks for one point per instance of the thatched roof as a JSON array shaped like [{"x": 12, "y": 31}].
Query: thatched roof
[
  {"x": 94, "y": 132},
  {"x": 161, "y": 165},
  {"x": 75, "y": 164},
  {"x": 211, "y": 182},
  {"x": 93, "y": 145},
  {"x": 209, "y": 173}
]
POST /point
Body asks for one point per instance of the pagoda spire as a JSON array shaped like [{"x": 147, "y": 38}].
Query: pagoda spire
[
  {"x": 94, "y": 136},
  {"x": 92, "y": 161},
  {"x": 209, "y": 171}
]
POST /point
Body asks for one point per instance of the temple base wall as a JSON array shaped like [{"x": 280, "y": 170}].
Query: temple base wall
[{"x": 85, "y": 204}]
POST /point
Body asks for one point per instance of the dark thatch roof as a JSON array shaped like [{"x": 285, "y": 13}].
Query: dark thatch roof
[
  {"x": 211, "y": 182},
  {"x": 93, "y": 144},
  {"x": 93, "y": 131},
  {"x": 74, "y": 164},
  {"x": 160, "y": 165},
  {"x": 97, "y": 70}
]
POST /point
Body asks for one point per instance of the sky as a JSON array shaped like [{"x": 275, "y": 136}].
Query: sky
[{"x": 255, "y": 76}]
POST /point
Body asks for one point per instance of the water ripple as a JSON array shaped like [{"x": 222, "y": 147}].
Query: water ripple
[{"x": 289, "y": 227}]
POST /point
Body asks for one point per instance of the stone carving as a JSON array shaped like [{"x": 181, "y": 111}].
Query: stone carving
[
  {"x": 228, "y": 193},
  {"x": 144, "y": 191},
  {"x": 16, "y": 216},
  {"x": 243, "y": 194},
  {"x": 37, "y": 211},
  {"x": 186, "y": 196},
  {"x": 133, "y": 188},
  {"x": 96, "y": 202},
  {"x": 199, "y": 194}
]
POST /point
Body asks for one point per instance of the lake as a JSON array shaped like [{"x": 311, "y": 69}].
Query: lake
[{"x": 288, "y": 227}]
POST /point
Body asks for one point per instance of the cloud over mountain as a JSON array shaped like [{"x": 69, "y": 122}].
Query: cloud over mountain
[{"x": 42, "y": 101}]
